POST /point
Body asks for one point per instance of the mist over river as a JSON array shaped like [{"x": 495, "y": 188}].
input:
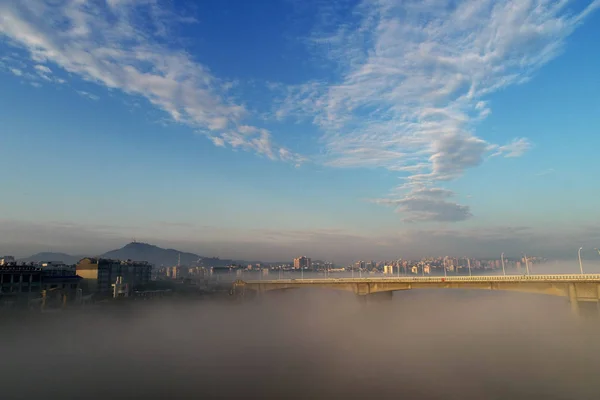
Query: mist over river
[{"x": 309, "y": 343}]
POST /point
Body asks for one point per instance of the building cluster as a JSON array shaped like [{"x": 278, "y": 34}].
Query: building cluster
[
  {"x": 37, "y": 283},
  {"x": 180, "y": 272},
  {"x": 424, "y": 266},
  {"x": 366, "y": 266},
  {"x": 54, "y": 284},
  {"x": 462, "y": 265},
  {"x": 100, "y": 274}
]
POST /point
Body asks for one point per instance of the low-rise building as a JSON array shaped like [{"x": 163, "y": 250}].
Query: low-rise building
[
  {"x": 61, "y": 277},
  {"x": 100, "y": 273},
  {"x": 23, "y": 284},
  {"x": 20, "y": 282}
]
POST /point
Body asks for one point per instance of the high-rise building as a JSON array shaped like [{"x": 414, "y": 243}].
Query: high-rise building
[{"x": 302, "y": 263}]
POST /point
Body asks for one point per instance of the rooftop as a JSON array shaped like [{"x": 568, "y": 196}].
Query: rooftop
[{"x": 11, "y": 268}]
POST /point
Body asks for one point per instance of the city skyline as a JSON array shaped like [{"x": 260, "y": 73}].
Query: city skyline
[
  {"x": 146, "y": 252},
  {"x": 340, "y": 130}
]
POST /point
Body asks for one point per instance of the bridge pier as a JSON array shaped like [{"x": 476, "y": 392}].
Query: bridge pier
[
  {"x": 573, "y": 299},
  {"x": 584, "y": 300},
  {"x": 372, "y": 298}
]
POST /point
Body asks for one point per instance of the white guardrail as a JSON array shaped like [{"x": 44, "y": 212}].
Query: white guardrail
[{"x": 438, "y": 279}]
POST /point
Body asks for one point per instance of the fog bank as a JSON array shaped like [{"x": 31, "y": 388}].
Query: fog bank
[{"x": 451, "y": 344}]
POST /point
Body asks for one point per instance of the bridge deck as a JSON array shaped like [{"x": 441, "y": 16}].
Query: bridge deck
[
  {"x": 577, "y": 287},
  {"x": 563, "y": 278}
]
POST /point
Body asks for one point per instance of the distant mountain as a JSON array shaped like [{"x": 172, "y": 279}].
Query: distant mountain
[
  {"x": 158, "y": 256},
  {"x": 142, "y": 252},
  {"x": 49, "y": 256}
]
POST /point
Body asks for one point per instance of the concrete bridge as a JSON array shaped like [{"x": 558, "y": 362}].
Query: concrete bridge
[{"x": 577, "y": 288}]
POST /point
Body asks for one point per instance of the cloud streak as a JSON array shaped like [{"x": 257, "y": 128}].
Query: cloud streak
[
  {"x": 428, "y": 204},
  {"x": 412, "y": 79},
  {"x": 415, "y": 82},
  {"x": 125, "y": 45}
]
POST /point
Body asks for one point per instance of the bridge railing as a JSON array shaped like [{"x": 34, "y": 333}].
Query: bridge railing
[{"x": 438, "y": 279}]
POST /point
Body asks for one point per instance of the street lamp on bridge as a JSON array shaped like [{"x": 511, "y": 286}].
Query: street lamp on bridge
[
  {"x": 503, "y": 270},
  {"x": 526, "y": 264},
  {"x": 580, "y": 263}
]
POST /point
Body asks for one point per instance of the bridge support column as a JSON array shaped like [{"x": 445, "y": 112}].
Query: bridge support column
[
  {"x": 260, "y": 292},
  {"x": 598, "y": 299},
  {"x": 376, "y": 297},
  {"x": 573, "y": 299}
]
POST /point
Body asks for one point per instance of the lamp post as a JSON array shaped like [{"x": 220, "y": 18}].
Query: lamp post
[
  {"x": 469, "y": 263},
  {"x": 503, "y": 270},
  {"x": 526, "y": 264},
  {"x": 580, "y": 263}
]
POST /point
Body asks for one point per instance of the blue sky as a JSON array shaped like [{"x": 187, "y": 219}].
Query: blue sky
[{"x": 341, "y": 130}]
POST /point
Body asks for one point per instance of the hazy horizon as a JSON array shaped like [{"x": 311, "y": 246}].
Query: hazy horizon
[{"x": 591, "y": 258}]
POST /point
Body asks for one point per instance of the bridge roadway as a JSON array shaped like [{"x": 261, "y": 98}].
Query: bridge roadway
[{"x": 576, "y": 287}]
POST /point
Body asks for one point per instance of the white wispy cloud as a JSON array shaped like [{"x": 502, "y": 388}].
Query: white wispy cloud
[
  {"x": 126, "y": 45},
  {"x": 516, "y": 148},
  {"x": 88, "y": 95},
  {"x": 43, "y": 69},
  {"x": 416, "y": 77},
  {"x": 44, "y": 72},
  {"x": 545, "y": 172}
]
